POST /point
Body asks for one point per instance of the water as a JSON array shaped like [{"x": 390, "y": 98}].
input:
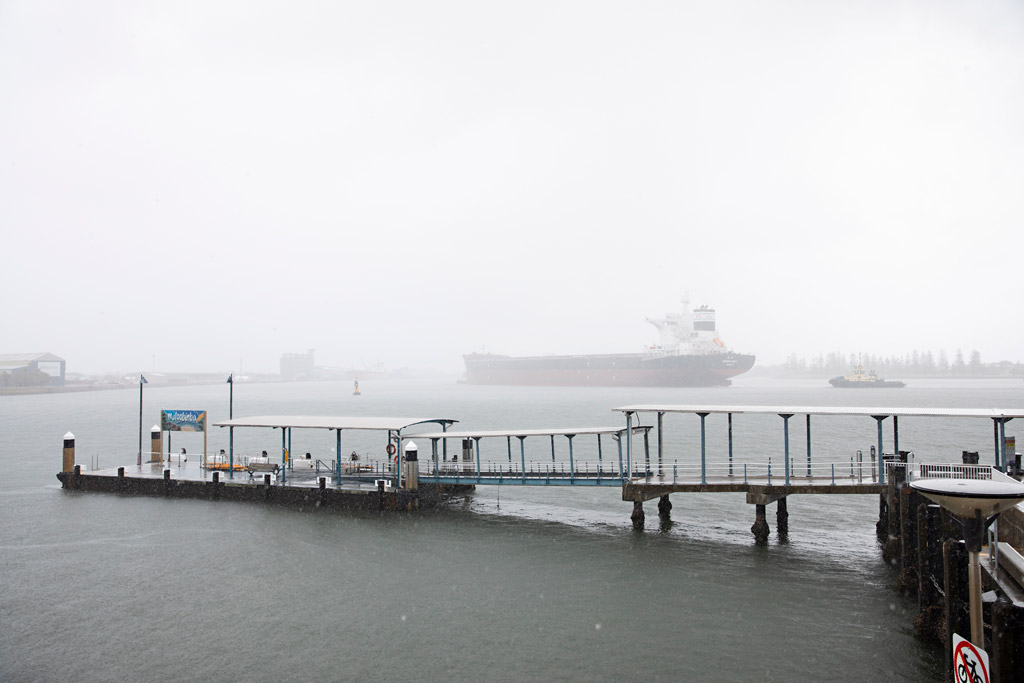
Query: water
[{"x": 508, "y": 584}]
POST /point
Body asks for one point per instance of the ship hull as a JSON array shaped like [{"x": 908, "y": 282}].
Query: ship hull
[
  {"x": 843, "y": 383},
  {"x": 611, "y": 370}
]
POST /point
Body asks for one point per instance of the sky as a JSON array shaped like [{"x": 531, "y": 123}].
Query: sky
[{"x": 205, "y": 186}]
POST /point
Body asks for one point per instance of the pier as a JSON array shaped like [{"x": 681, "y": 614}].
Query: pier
[{"x": 917, "y": 537}]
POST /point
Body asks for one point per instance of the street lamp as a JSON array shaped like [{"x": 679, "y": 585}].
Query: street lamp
[
  {"x": 231, "y": 430},
  {"x": 142, "y": 380},
  {"x": 976, "y": 503}
]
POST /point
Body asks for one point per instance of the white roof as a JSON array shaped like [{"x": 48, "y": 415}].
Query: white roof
[
  {"x": 830, "y": 410},
  {"x": 560, "y": 431},
  {"x": 331, "y": 422}
]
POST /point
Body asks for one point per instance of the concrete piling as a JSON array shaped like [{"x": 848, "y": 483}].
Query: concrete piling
[
  {"x": 68, "y": 463},
  {"x": 760, "y": 528},
  {"x": 664, "y": 508},
  {"x": 638, "y": 515},
  {"x": 782, "y": 516}
]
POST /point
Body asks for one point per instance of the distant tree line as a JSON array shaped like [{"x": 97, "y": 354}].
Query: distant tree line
[{"x": 914, "y": 364}]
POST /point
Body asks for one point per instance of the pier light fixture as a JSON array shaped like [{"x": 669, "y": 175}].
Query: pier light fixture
[
  {"x": 976, "y": 503},
  {"x": 142, "y": 380}
]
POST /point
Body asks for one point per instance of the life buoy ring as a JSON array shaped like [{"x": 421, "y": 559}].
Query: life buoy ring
[
  {"x": 391, "y": 449},
  {"x": 395, "y": 459}
]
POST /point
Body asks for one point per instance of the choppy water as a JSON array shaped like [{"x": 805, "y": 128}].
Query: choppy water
[{"x": 511, "y": 584}]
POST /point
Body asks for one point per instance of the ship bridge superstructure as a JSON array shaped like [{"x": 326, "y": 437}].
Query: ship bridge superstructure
[{"x": 691, "y": 332}]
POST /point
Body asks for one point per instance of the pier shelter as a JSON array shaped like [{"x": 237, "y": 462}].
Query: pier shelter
[{"x": 394, "y": 427}]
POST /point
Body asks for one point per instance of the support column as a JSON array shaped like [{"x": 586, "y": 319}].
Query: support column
[
  {"x": 638, "y": 515},
  {"x": 629, "y": 444},
  {"x": 1002, "y": 445},
  {"x": 760, "y": 528},
  {"x": 664, "y": 507},
  {"x": 808, "y": 446},
  {"x": 703, "y": 450},
  {"x": 881, "y": 458},
  {"x": 660, "y": 449},
  {"x": 730, "y": 444},
  {"x": 785, "y": 433},
  {"x": 782, "y": 517}
]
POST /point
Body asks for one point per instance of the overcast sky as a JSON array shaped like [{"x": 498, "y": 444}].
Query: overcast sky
[{"x": 207, "y": 185}]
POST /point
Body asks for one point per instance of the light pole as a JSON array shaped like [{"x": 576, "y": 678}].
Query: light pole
[
  {"x": 231, "y": 430},
  {"x": 231, "y": 396},
  {"x": 976, "y": 503},
  {"x": 142, "y": 380}
]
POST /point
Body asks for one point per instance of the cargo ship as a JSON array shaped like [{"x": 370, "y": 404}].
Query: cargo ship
[
  {"x": 863, "y": 380},
  {"x": 690, "y": 354}
]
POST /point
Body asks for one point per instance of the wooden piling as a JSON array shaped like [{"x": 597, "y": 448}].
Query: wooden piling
[
  {"x": 956, "y": 606},
  {"x": 907, "y": 581},
  {"x": 929, "y": 624},
  {"x": 1007, "y": 656}
]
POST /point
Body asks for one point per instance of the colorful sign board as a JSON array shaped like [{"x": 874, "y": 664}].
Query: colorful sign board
[
  {"x": 970, "y": 664},
  {"x": 183, "y": 420}
]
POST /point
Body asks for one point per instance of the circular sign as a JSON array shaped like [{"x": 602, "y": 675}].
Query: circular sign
[{"x": 970, "y": 665}]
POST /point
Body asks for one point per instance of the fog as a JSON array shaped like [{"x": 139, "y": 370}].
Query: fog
[{"x": 207, "y": 185}]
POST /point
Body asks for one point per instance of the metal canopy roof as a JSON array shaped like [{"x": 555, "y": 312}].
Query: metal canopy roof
[
  {"x": 561, "y": 431},
  {"x": 332, "y": 422},
  {"x": 1006, "y": 413}
]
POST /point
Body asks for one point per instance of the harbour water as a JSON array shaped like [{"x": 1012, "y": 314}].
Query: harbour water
[{"x": 511, "y": 583}]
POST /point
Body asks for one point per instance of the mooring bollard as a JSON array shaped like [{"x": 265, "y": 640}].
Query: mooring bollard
[
  {"x": 68, "y": 463},
  {"x": 216, "y": 477}
]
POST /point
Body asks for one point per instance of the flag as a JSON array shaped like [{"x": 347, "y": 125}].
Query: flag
[
  {"x": 231, "y": 378},
  {"x": 143, "y": 380}
]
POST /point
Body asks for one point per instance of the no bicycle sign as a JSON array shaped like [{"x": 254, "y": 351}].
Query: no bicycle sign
[{"x": 970, "y": 664}]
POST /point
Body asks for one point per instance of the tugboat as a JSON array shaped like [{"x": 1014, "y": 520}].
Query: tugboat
[{"x": 861, "y": 379}]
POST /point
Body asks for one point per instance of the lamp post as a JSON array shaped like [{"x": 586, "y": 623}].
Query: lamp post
[
  {"x": 142, "y": 380},
  {"x": 976, "y": 503},
  {"x": 231, "y": 430}
]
